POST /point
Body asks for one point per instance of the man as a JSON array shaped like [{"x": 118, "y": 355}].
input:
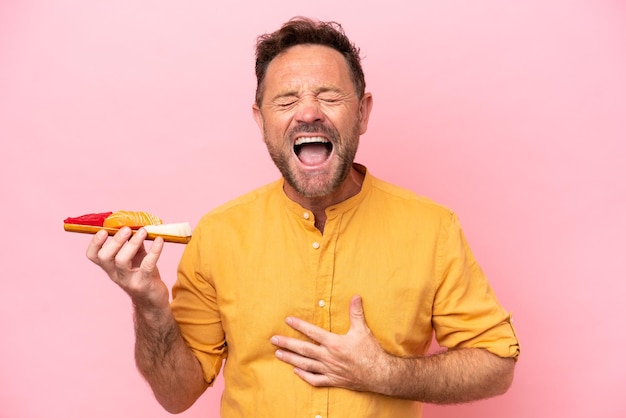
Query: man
[{"x": 321, "y": 290}]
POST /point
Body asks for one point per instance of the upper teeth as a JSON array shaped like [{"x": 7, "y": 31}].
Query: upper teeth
[{"x": 310, "y": 139}]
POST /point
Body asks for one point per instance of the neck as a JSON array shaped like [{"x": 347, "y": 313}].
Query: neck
[{"x": 318, "y": 205}]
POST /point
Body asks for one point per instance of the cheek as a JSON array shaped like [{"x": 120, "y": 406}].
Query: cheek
[
  {"x": 349, "y": 120},
  {"x": 276, "y": 130},
  {"x": 280, "y": 125}
]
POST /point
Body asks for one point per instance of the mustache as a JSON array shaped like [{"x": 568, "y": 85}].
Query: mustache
[{"x": 316, "y": 127}]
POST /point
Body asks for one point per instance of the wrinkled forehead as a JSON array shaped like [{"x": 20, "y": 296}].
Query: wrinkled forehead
[{"x": 308, "y": 65}]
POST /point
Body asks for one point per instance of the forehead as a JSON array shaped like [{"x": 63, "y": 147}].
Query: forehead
[{"x": 308, "y": 66}]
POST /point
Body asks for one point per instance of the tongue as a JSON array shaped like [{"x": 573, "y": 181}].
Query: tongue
[{"x": 313, "y": 154}]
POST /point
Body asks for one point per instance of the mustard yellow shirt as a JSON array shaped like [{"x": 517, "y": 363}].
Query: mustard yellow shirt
[{"x": 258, "y": 259}]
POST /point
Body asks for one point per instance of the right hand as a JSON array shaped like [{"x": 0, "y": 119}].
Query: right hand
[{"x": 125, "y": 260}]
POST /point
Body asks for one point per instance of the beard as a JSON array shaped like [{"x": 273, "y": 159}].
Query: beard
[{"x": 319, "y": 183}]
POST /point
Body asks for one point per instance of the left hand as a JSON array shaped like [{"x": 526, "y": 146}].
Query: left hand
[{"x": 354, "y": 361}]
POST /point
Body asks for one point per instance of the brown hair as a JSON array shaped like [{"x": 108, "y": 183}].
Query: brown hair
[{"x": 302, "y": 30}]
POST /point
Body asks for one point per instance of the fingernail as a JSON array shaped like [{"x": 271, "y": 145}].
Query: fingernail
[
  {"x": 289, "y": 320},
  {"x": 279, "y": 354},
  {"x": 101, "y": 234},
  {"x": 274, "y": 340}
]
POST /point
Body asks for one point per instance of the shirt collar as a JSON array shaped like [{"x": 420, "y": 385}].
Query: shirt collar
[{"x": 338, "y": 208}]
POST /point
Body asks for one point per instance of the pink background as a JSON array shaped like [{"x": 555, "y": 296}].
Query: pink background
[{"x": 512, "y": 113}]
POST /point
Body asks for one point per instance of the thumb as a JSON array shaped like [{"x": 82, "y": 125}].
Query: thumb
[{"x": 357, "y": 315}]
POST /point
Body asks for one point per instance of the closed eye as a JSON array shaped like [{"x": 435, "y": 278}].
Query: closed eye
[
  {"x": 285, "y": 102},
  {"x": 331, "y": 97}
]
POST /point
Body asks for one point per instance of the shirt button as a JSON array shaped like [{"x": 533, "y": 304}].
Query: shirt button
[
  {"x": 316, "y": 245},
  {"x": 321, "y": 303},
  {"x": 306, "y": 215},
  {"x": 318, "y": 416}
]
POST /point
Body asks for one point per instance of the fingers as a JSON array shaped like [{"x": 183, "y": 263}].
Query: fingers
[
  {"x": 95, "y": 245},
  {"x": 298, "y": 358},
  {"x": 149, "y": 262},
  {"x": 102, "y": 251},
  {"x": 315, "y": 333},
  {"x": 340, "y": 360},
  {"x": 128, "y": 252},
  {"x": 96, "y": 251},
  {"x": 306, "y": 357},
  {"x": 320, "y": 335},
  {"x": 296, "y": 351},
  {"x": 124, "y": 252},
  {"x": 307, "y": 368},
  {"x": 313, "y": 379}
]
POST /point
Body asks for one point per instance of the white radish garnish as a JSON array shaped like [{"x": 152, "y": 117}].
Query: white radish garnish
[{"x": 182, "y": 229}]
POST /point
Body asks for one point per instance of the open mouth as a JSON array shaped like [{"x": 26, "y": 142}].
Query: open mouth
[{"x": 313, "y": 150}]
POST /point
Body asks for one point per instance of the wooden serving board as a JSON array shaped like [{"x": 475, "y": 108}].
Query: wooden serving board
[{"x": 88, "y": 229}]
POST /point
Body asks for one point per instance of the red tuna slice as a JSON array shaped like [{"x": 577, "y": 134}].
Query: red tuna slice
[{"x": 93, "y": 219}]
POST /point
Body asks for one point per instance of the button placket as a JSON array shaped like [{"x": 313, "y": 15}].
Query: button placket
[{"x": 323, "y": 247}]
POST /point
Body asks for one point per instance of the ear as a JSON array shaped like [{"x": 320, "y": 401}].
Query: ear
[
  {"x": 365, "y": 108},
  {"x": 258, "y": 116}
]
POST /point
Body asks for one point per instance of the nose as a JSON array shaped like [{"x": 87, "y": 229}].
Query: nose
[{"x": 309, "y": 110}]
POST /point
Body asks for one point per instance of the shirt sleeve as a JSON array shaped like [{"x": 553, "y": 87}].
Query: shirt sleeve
[
  {"x": 194, "y": 306},
  {"x": 466, "y": 312}
]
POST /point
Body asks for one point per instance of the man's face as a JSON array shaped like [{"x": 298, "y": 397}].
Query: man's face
[{"x": 311, "y": 118}]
